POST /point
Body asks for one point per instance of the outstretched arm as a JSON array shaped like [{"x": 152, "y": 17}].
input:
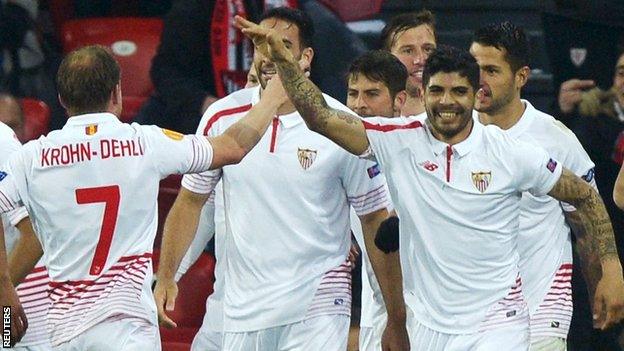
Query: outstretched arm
[
  {"x": 341, "y": 127},
  {"x": 231, "y": 146},
  {"x": 8, "y": 296},
  {"x": 592, "y": 215}
]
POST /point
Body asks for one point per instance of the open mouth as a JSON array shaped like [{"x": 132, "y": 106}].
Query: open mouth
[
  {"x": 268, "y": 73},
  {"x": 448, "y": 115}
]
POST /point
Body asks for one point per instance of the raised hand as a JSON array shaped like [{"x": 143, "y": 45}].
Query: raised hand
[{"x": 265, "y": 40}]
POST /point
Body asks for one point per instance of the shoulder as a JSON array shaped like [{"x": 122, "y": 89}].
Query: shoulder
[
  {"x": 551, "y": 134},
  {"x": 385, "y": 124},
  {"x": 8, "y": 140},
  {"x": 229, "y": 106}
]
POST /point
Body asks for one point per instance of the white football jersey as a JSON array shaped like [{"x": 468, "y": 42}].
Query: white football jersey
[
  {"x": 286, "y": 211},
  {"x": 544, "y": 241},
  {"x": 459, "y": 212},
  {"x": 91, "y": 190}
]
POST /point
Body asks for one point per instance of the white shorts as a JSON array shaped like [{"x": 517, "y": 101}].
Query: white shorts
[
  {"x": 370, "y": 337},
  {"x": 514, "y": 338},
  {"x": 549, "y": 343},
  {"x": 114, "y": 334},
  {"x": 321, "y": 333},
  {"x": 207, "y": 340}
]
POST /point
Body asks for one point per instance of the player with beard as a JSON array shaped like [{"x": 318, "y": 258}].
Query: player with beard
[
  {"x": 544, "y": 243},
  {"x": 411, "y": 38},
  {"x": 458, "y": 201},
  {"x": 376, "y": 87},
  {"x": 287, "y": 278}
]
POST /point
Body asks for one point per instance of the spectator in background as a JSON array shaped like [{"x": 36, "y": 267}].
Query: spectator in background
[
  {"x": 11, "y": 114},
  {"x": 197, "y": 61},
  {"x": 596, "y": 117}
]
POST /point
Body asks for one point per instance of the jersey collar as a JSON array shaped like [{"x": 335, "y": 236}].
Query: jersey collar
[
  {"x": 287, "y": 121},
  {"x": 90, "y": 118},
  {"x": 462, "y": 148},
  {"x": 524, "y": 122}
]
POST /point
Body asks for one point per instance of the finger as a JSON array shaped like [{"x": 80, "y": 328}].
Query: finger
[
  {"x": 171, "y": 296},
  {"x": 598, "y": 301},
  {"x": 166, "y": 322},
  {"x": 241, "y": 22},
  {"x": 21, "y": 315},
  {"x": 608, "y": 321},
  {"x": 19, "y": 326}
]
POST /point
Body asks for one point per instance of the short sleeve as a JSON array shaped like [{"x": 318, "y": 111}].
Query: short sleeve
[
  {"x": 385, "y": 136},
  {"x": 578, "y": 162},
  {"x": 365, "y": 185},
  {"x": 175, "y": 153},
  {"x": 9, "y": 190},
  {"x": 536, "y": 171}
]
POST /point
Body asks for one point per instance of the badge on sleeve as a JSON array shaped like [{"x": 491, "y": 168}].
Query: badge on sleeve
[
  {"x": 2, "y": 175},
  {"x": 589, "y": 176},
  {"x": 91, "y": 129},
  {"x": 551, "y": 165},
  {"x": 173, "y": 135},
  {"x": 373, "y": 171}
]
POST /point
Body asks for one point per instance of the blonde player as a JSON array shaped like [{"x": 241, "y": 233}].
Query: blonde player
[
  {"x": 25, "y": 250},
  {"x": 501, "y": 50},
  {"x": 376, "y": 87},
  {"x": 411, "y": 38},
  {"x": 456, "y": 186},
  {"x": 287, "y": 280},
  {"x": 98, "y": 225}
]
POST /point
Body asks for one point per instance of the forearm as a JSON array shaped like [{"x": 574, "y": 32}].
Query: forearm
[
  {"x": 589, "y": 261},
  {"x": 179, "y": 231},
  {"x": 618, "y": 189},
  {"x": 341, "y": 127},
  {"x": 387, "y": 268},
  {"x": 26, "y": 253},
  {"x": 205, "y": 232},
  {"x": 4, "y": 264}
]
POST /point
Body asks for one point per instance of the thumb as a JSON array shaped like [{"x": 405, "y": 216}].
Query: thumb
[
  {"x": 170, "y": 300},
  {"x": 598, "y": 308}
]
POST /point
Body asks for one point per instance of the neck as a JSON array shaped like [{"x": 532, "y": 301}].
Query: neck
[
  {"x": 285, "y": 108},
  {"x": 455, "y": 139},
  {"x": 506, "y": 117},
  {"x": 413, "y": 106}
]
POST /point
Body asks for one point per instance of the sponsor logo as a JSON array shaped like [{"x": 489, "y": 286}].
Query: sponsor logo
[
  {"x": 306, "y": 157},
  {"x": 511, "y": 313},
  {"x": 428, "y": 165},
  {"x": 339, "y": 302},
  {"x": 373, "y": 171},
  {"x": 589, "y": 176},
  {"x": 91, "y": 129},
  {"x": 554, "y": 324},
  {"x": 173, "y": 135},
  {"x": 577, "y": 56},
  {"x": 2, "y": 175},
  {"x": 551, "y": 165},
  {"x": 481, "y": 180}
]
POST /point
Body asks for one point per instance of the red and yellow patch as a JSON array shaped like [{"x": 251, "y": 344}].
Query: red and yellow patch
[
  {"x": 173, "y": 135},
  {"x": 91, "y": 129}
]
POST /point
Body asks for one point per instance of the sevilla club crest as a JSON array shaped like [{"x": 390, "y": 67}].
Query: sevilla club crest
[
  {"x": 481, "y": 180},
  {"x": 306, "y": 157}
]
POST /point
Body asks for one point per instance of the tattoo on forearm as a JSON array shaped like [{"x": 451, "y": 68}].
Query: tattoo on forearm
[
  {"x": 308, "y": 99},
  {"x": 588, "y": 255},
  {"x": 593, "y": 217}
]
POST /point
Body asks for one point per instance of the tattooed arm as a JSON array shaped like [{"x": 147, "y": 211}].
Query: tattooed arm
[
  {"x": 597, "y": 244},
  {"x": 341, "y": 127}
]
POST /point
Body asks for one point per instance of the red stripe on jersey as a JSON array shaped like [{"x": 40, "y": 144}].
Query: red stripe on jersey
[
  {"x": 391, "y": 127},
  {"x": 223, "y": 113}
]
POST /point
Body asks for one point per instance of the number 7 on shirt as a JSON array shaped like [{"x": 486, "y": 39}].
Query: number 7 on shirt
[{"x": 110, "y": 196}]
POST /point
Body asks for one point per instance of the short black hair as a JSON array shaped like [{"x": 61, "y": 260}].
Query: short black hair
[
  {"x": 449, "y": 59},
  {"x": 508, "y": 36},
  {"x": 295, "y": 16},
  {"x": 380, "y": 66},
  {"x": 86, "y": 78},
  {"x": 403, "y": 22}
]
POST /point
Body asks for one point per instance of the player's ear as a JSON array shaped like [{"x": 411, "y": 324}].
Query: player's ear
[
  {"x": 62, "y": 102},
  {"x": 306, "y": 58},
  {"x": 399, "y": 101},
  {"x": 522, "y": 76}
]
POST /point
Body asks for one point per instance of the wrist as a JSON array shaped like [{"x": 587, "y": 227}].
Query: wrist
[{"x": 611, "y": 266}]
